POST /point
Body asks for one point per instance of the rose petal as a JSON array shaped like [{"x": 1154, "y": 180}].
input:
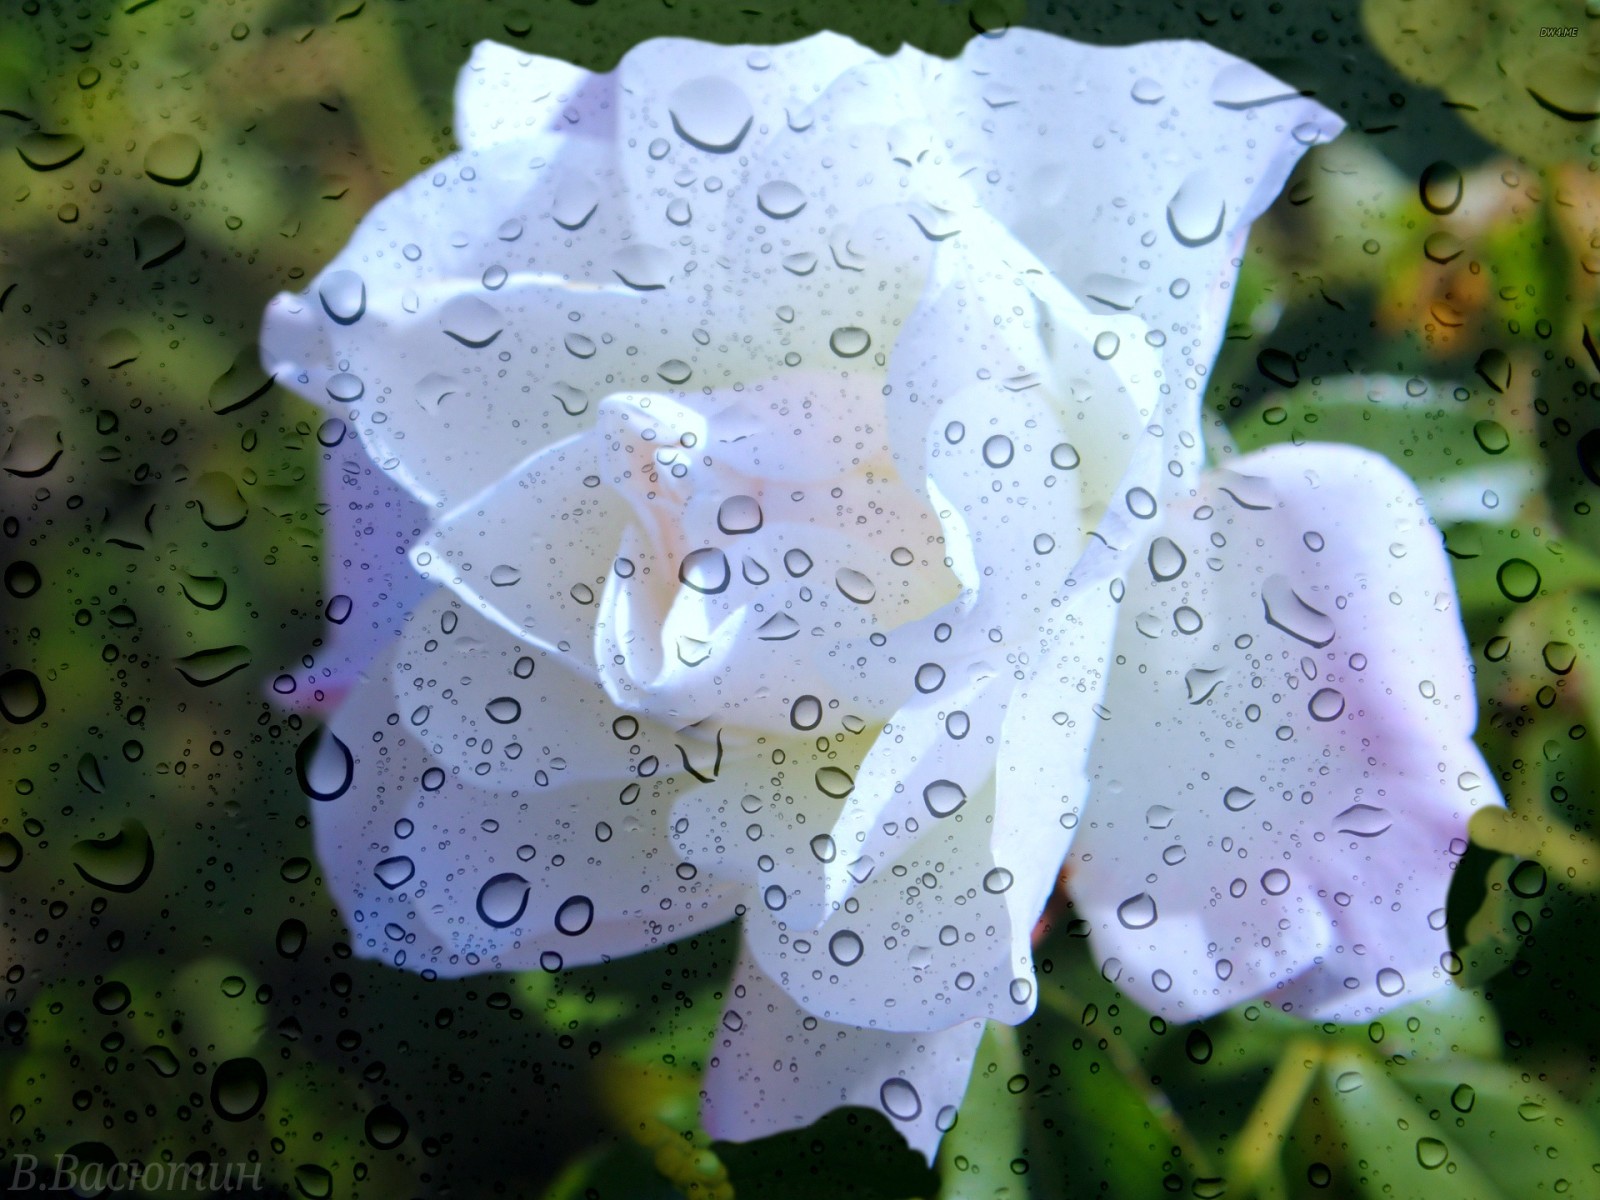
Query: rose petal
[
  {"x": 1282, "y": 782},
  {"x": 495, "y": 816},
  {"x": 775, "y": 1067},
  {"x": 1048, "y": 126}
]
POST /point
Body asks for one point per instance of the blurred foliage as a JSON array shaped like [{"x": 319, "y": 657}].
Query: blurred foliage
[{"x": 178, "y": 987}]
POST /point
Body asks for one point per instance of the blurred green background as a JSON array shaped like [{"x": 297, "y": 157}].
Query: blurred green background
[{"x": 177, "y": 983}]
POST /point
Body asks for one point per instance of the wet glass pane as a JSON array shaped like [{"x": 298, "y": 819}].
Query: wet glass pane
[{"x": 776, "y": 614}]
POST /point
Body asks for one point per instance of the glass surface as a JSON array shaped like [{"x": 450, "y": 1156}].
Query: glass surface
[{"x": 181, "y": 991}]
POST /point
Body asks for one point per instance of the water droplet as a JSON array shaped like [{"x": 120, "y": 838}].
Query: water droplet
[
  {"x": 1158, "y": 816},
  {"x": 1440, "y": 187},
  {"x": 1519, "y": 579},
  {"x": 823, "y": 848},
  {"x": 1431, "y": 1153},
  {"x": 344, "y": 296},
  {"x": 173, "y": 160},
  {"x": 1327, "y": 704},
  {"x": 998, "y": 451},
  {"x": 1463, "y": 1097},
  {"x": 472, "y": 322},
  {"x": 504, "y": 575},
  {"x": 49, "y": 151},
  {"x": 156, "y": 239},
  {"x": 675, "y": 371},
  {"x": 1196, "y": 211},
  {"x": 238, "y": 1089},
  {"x": 1279, "y": 367},
  {"x": 739, "y": 514},
  {"x": 849, "y": 341},
  {"x": 1494, "y": 368},
  {"x": 1391, "y": 982},
  {"x": 1141, "y": 503},
  {"x": 706, "y": 571},
  {"x": 503, "y": 710},
  {"x": 1198, "y": 1047},
  {"x": 900, "y": 1099},
  {"x": 392, "y": 872},
  {"x": 386, "y": 1127},
  {"x": 120, "y": 863},
  {"x": 1064, "y": 457},
  {"x": 503, "y": 899},
  {"x": 834, "y": 782},
  {"x": 21, "y": 696},
  {"x": 998, "y": 880},
  {"x": 929, "y": 677},
  {"x": 1137, "y": 912},
  {"x": 780, "y": 199},
  {"x": 943, "y": 797},
  {"x": 1528, "y": 880},
  {"x": 845, "y": 947},
  {"x": 1106, "y": 344},
  {"x": 574, "y": 203},
  {"x": 711, "y": 114},
  {"x": 796, "y": 562},
  {"x": 855, "y": 585},
  {"x": 1276, "y": 881},
  {"x": 1237, "y": 799},
  {"x": 1363, "y": 820},
  {"x": 1148, "y": 91},
  {"x": 1167, "y": 561},
  {"x": 1285, "y": 610},
  {"x": 323, "y": 765},
  {"x": 805, "y": 712},
  {"x": 575, "y": 915},
  {"x": 1491, "y": 437}
]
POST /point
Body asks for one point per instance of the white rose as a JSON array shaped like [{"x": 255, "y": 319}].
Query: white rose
[{"x": 799, "y": 456}]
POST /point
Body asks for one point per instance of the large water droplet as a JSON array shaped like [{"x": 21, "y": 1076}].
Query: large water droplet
[
  {"x": 739, "y": 514},
  {"x": 780, "y": 199},
  {"x": 845, "y": 947},
  {"x": 503, "y": 710},
  {"x": 1327, "y": 704},
  {"x": 503, "y": 899},
  {"x": 1519, "y": 579},
  {"x": 943, "y": 797},
  {"x": 855, "y": 585},
  {"x": 1440, "y": 187},
  {"x": 1286, "y": 611},
  {"x": 1237, "y": 799},
  {"x": 575, "y": 915},
  {"x": 48, "y": 151},
  {"x": 805, "y": 712},
  {"x": 323, "y": 765},
  {"x": 1363, "y": 820},
  {"x": 1167, "y": 561},
  {"x": 1137, "y": 912},
  {"x": 238, "y": 1089},
  {"x": 344, "y": 296},
  {"x": 711, "y": 114},
  {"x": 575, "y": 202},
  {"x": 393, "y": 872},
  {"x": 900, "y": 1099},
  {"x": 120, "y": 863},
  {"x": 705, "y": 571},
  {"x": 1391, "y": 982},
  {"x": 849, "y": 341},
  {"x": 1196, "y": 211},
  {"x": 173, "y": 159},
  {"x": 21, "y": 696},
  {"x": 834, "y": 782}
]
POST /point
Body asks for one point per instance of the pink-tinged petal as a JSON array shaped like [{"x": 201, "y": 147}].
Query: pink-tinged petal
[
  {"x": 1283, "y": 770},
  {"x": 479, "y": 809},
  {"x": 775, "y": 1067}
]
